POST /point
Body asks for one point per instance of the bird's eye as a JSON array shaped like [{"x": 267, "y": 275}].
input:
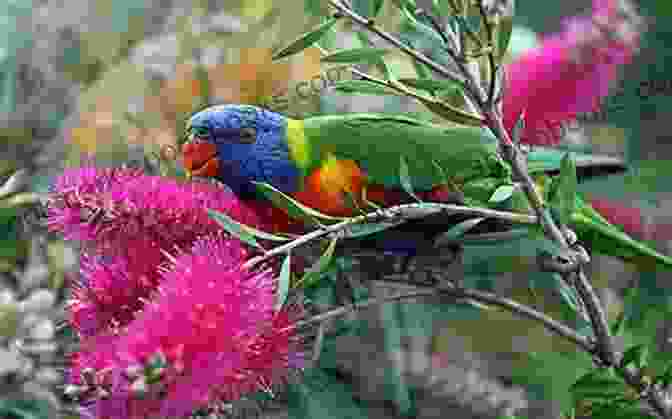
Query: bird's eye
[{"x": 248, "y": 135}]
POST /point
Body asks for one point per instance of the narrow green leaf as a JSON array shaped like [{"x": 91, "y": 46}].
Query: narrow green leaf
[
  {"x": 457, "y": 231},
  {"x": 355, "y": 55},
  {"x": 385, "y": 69},
  {"x": 292, "y": 207},
  {"x": 377, "y": 7},
  {"x": 502, "y": 193},
  {"x": 421, "y": 69},
  {"x": 405, "y": 5},
  {"x": 283, "y": 282},
  {"x": 438, "y": 8},
  {"x": 306, "y": 40},
  {"x": 362, "y": 230},
  {"x": 234, "y": 228},
  {"x": 405, "y": 179},
  {"x": 504, "y": 30},
  {"x": 367, "y": 8},
  {"x": 447, "y": 112},
  {"x": 598, "y": 382},
  {"x": 665, "y": 378},
  {"x": 313, "y": 7},
  {"x": 363, "y": 87},
  {"x": 313, "y": 273},
  {"x": 364, "y": 38},
  {"x": 564, "y": 187},
  {"x": 431, "y": 85},
  {"x": 257, "y": 233},
  {"x": 637, "y": 354},
  {"x": 617, "y": 327}
]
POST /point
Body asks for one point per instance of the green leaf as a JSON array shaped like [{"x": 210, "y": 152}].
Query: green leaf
[
  {"x": 292, "y": 207},
  {"x": 362, "y": 230},
  {"x": 406, "y": 6},
  {"x": 471, "y": 23},
  {"x": 638, "y": 355},
  {"x": 405, "y": 179},
  {"x": 618, "y": 326},
  {"x": 665, "y": 378},
  {"x": 385, "y": 69},
  {"x": 363, "y": 87},
  {"x": 283, "y": 282},
  {"x": 431, "y": 85},
  {"x": 306, "y": 40},
  {"x": 447, "y": 112},
  {"x": 421, "y": 69},
  {"x": 457, "y": 231},
  {"x": 441, "y": 8},
  {"x": 564, "y": 188},
  {"x": 25, "y": 408},
  {"x": 234, "y": 228},
  {"x": 567, "y": 295},
  {"x": 314, "y": 7},
  {"x": 504, "y": 30},
  {"x": 222, "y": 219},
  {"x": 313, "y": 273},
  {"x": 367, "y": 8},
  {"x": 355, "y": 55},
  {"x": 502, "y": 193},
  {"x": 598, "y": 383}
]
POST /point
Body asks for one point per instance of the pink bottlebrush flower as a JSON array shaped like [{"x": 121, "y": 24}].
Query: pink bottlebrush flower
[
  {"x": 216, "y": 325},
  {"x": 108, "y": 293},
  {"x": 130, "y": 218},
  {"x": 159, "y": 210},
  {"x": 570, "y": 73}
]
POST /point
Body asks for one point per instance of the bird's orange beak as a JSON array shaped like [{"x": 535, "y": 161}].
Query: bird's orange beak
[{"x": 200, "y": 159}]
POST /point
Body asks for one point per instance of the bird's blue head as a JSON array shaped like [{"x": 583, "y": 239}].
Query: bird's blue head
[{"x": 238, "y": 144}]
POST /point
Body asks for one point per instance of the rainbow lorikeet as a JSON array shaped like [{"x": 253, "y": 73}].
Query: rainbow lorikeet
[{"x": 331, "y": 162}]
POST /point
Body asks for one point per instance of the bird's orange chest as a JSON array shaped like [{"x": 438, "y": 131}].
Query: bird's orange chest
[
  {"x": 328, "y": 187},
  {"x": 332, "y": 188}
]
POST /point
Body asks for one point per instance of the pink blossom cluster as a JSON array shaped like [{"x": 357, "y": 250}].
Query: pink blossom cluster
[
  {"x": 168, "y": 319},
  {"x": 569, "y": 74}
]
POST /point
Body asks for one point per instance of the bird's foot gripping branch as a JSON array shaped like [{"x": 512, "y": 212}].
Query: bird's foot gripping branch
[{"x": 357, "y": 185}]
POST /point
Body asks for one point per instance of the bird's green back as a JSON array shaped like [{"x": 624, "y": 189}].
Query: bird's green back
[{"x": 379, "y": 141}]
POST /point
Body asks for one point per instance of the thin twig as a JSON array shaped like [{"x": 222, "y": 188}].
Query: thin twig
[
  {"x": 491, "y": 55},
  {"x": 604, "y": 348},
  {"x": 460, "y": 293},
  {"x": 400, "y": 212},
  {"x": 402, "y": 89},
  {"x": 368, "y": 23}
]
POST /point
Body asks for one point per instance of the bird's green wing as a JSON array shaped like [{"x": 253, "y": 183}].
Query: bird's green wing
[{"x": 379, "y": 141}]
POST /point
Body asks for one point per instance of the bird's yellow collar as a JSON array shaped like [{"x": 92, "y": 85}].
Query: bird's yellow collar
[{"x": 299, "y": 148}]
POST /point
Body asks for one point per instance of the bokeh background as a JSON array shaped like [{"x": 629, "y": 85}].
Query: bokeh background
[{"x": 118, "y": 78}]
